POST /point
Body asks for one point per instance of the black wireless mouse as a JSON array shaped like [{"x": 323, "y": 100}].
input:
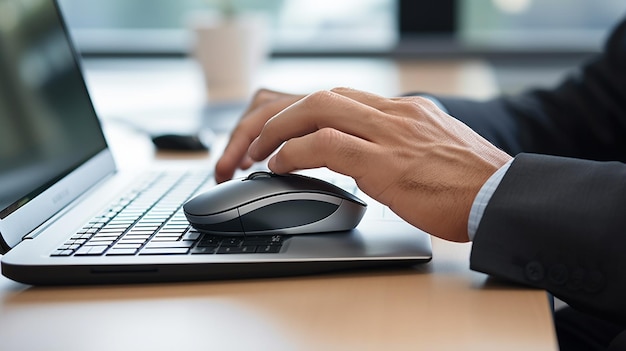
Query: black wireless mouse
[
  {"x": 178, "y": 142},
  {"x": 268, "y": 203}
]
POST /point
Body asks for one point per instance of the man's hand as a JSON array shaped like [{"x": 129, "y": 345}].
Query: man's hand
[{"x": 404, "y": 152}]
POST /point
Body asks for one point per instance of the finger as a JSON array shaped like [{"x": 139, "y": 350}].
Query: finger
[
  {"x": 235, "y": 154},
  {"x": 264, "y": 96},
  {"x": 246, "y": 163},
  {"x": 324, "y": 109},
  {"x": 338, "y": 151}
]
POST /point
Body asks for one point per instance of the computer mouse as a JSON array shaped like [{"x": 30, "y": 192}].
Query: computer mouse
[
  {"x": 179, "y": 142},
  {"x": 268, "y": 203}
]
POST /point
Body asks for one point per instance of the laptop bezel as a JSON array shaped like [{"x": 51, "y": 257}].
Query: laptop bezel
[{"x": 20, "y": 223}]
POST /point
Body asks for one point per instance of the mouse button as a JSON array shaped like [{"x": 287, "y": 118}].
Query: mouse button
[
  {"x": 259, "y": 175},
  {"x": 286, "y": 214},
  {"x": 220, "y": 198},
  {"x": 322, "y": 186}
]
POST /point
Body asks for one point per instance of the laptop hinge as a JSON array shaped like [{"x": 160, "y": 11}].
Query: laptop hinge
[{"x": 32, "y": 235}]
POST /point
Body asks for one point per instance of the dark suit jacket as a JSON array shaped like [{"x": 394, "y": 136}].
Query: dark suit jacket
[{"x": 558, "y": 219}]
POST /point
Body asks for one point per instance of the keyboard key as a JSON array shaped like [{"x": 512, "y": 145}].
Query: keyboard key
[
  {"x": 91, "y": 250},
  {"x": 262, "y": 240},
  {"x": 137, "y": 237},
  {"x": 268, "y": 249},
  {"x": 105, "y": 235},
  {"x": 135, "y": 231},
  {"x": 69, "y": 247},
  {"x": 191, "y": 236},
  {"x": 231, "y": 242},
  {"x": 132, "y": 241},
  {"x": 99, "y": 243},
  {"x": 236, "y": 249},
  {"x": 158, "y": 244},
  {"x": 126, "y": 246},
  {"x": 111, "y": 231},
  {"x": 204, "y": 250},
  {"x": 165, "y": 251},
  {"x": 80, "y": 236},
  {"x": 121, "y": 252},
  {"x": 209, "y": 241},
  {"x": 60, "y": 252},
  {"x": 76, "y": 241},
  {"x": 164, "y": 238}
]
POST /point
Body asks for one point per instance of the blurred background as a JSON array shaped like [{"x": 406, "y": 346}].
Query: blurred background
[{"x": 526, "y": 41}]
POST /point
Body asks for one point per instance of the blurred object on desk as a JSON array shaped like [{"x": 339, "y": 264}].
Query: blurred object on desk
[
  {"x": 180, "y": 142},
  {"x": 229, "y": 46}
]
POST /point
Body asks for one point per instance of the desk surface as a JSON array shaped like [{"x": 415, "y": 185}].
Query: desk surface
[{"x": 438, "y": 306}]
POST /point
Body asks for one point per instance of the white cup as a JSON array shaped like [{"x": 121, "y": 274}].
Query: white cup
[{"x": 229, "y": 52}]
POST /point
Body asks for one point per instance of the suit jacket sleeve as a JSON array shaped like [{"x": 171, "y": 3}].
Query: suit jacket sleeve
[{"x": 558, "y": 222}]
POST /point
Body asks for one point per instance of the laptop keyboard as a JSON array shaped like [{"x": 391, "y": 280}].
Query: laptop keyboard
[{"x": 149, "y": 220}]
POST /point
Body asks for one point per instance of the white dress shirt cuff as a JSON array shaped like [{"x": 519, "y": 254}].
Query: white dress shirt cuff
[{"x": 482, "y": 199}]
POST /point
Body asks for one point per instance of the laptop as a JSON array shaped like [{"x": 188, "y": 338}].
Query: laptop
[{"x": 69, "y": 216}]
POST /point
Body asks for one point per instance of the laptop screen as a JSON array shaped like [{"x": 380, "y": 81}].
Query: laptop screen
[{"x": 47, "y": 123}]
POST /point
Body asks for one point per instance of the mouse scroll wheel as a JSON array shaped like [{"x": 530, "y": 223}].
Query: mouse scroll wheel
[{"x": 259, "y": 175}]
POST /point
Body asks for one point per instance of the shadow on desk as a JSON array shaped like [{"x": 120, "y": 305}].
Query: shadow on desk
[
  {"x": 247, "y": 288},
  {"x": 294, "y": 285}
]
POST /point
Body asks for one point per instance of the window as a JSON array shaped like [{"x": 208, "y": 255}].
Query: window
[
  {"x": 158, "y": 26},
  {"x": 355, "y": 26},
  {"x": 540, "y": 24}
]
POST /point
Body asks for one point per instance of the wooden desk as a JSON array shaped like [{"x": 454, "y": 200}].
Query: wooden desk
[{"x": 438, "y": 306}]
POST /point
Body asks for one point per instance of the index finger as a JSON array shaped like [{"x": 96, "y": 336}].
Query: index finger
[{"x": 265, "y": 104}]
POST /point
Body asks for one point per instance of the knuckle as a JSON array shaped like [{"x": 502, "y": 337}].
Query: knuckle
[
  {"x": 263, "y": 95},
  {"x": 319, "y": 97},
  {"x": 327, "y": 139},
  {"x": 341, "y": 90},
  {"x": 421, "y": 103},
  {"x": 413, "y": 106},
  {"x": 421, "y": 100},
  {"x": 330, "y": 141}
]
